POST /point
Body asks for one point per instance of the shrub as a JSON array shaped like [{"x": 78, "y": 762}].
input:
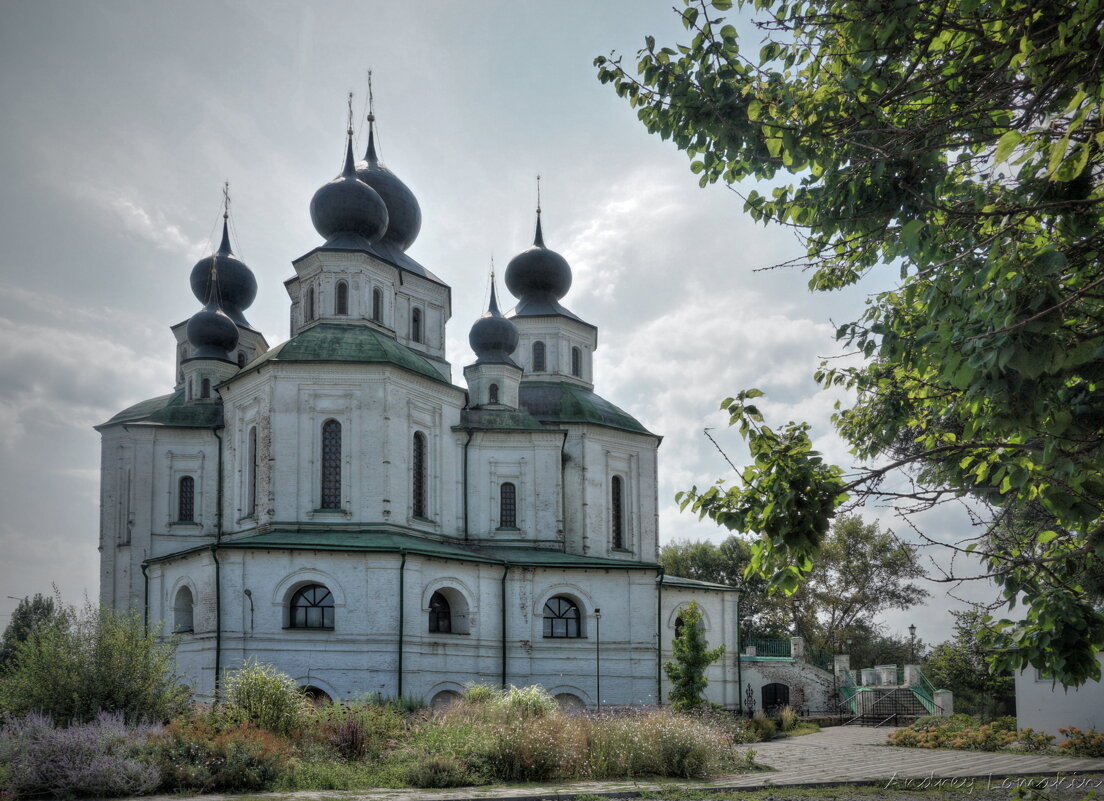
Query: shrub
[
  {"x": 77, "y": 665},
  {"x": 192, "y": 756},
  {"x": 787, "y": 718},
  {"x": 1031, "y": 740},
  {"x": 356, "y": 731},
  {"x": 764, "y": 726},
  {"x": 434, "y": 770},
  {"x": 479, "y": 693},
  {"x": 527, "y": 702},
  {"x": 87, "y": 759},
  {"x": 1082, "y": 743},
  {"x": 266, "y": 697}
]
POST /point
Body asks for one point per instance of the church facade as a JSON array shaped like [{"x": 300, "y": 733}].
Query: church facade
[{"x": 337, "y": 507}]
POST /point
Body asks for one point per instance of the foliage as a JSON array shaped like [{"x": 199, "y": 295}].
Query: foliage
[
  {"x": 82, "y": 663},
  {"x": 692, "y": 657},
  {"x": 29, "y": 614},
  {"x": 787, "y": 718},
  {"x": 1082, "y": 743},
  {"x": 478, "y": 693},
  {"x": 266, "y": 697},
  {"x": 192, "y": 756},
  {"x": 961, "y": 144},
  {"x": 527, "y": 702},
  {"x": 93, "y": 759},
  {"x": 959, "y": 665},
  {"x": 965, "y": 732},
  {"x": 355, "y": 731}
]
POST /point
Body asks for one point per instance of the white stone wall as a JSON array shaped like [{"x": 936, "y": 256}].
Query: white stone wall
[
  {"x": 361, "y": 654},
  {"x": 1045, "y": 706},
  {"x": 559, "y": 335}
]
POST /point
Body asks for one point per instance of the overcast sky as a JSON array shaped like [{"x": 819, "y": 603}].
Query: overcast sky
[{"x": 122, "y": 120}]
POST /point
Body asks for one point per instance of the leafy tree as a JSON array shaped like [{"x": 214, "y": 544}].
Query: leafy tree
[
  {"x": 860, "y": 573},
  {"x": 959, "y": 665},
  {"x": 692, "y": 657},
  {"x": 29, "y": 614},
  {"x": 960, "y": 143},
  {"x": 83, "y": 663}
]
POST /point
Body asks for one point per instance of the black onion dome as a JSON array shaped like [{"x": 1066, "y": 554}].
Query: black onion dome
[
  {"x": 237, "y": 286},
  {"x": 493, "y": 337},
  {"x": 347, "y": 205},
  {"x": 404, "y": 215},
  {"x": 538, "y": 272},
  {"x": 213, "y": 334}
]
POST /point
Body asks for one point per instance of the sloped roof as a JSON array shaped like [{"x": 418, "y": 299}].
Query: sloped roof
[
  {"x": 695, "y": 584},
  {"x": 170, "y": 411},
  {"x": 563, "y": 402},
  {"x": 350, "y": 343}
]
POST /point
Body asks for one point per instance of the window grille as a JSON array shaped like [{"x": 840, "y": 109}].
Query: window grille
[
  {"x": 418, "y": 469},
  {"x": 331, "y": 465},
  {"x": 312, "y": 607},
  {"x": 538, "y": 357},
  {"x": 341, "y": 298},
  {"x": 507, "y": 497},
  {"x": 617, "y": 516},
  {"x": 186, "y": 502},
  {"x": 561, "y": 618}
]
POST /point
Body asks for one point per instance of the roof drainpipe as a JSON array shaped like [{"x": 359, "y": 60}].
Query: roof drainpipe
[
  {"x": 505, "y": 572},
  {"x": 145, "y": 599},
  {"x": 659, "y": 637},
  {"x": 218, "y": 571},
  {"x": 402, "y": 620},
  {"x": 218, "y": 624},
  {"x": 739, "y": 661},
  {"x": 471, "y": 433}
]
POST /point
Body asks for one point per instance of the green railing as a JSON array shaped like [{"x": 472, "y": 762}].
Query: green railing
[
  {"x": 925, "y": 691},
  {"x": 847, "y": 689},
  {"x": 769, "y": 646},
  {"x": 822, "y": 659}
]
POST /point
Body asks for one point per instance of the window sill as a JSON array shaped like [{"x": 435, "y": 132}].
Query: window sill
[
  {"x": 426, "y": 520},
  {"x": 328, "y": 514},
  {"x": 185, "y": 524},
  {"x": 307, "y": 628},
  {"x": 450, "y": 633},
  {"x": 621, "y": 550},
  {"x": 511, "y": 529}
]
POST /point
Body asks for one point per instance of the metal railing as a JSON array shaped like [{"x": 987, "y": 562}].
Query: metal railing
[
  {"x": 925, "y": 691},
  {"x": 769, "y": 646}
]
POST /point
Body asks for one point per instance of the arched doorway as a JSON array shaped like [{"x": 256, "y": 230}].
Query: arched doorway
[
  {"x": 316, "y": 695},
  {"x": 775, "y": 696}
]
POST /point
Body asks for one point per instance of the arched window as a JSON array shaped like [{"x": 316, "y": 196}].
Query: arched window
[
  {"x": 418, "y": 475},
  {"x": 185, "y": 505},
  {"x": 492, "y": 394},
  {"x": 576, "y": 362},
  {"x": 416, "y": 325},
  {"x": 251, "y": 486},
  {"x": 617, "y": 517},
  {"x": 183, "y": 614},
  {"x": 241, "y": 359},
  {"x": 507, "y": 505},
  {"x": 538, "y": 357},
  {"x": 377, "y": 305},
  {"x": 312, "y": 607},
  {"x": 331, "y": 465},
  {"x": 188, "y": 396},
  {"x": 341, "y": 298},
  {"x": 206, "y": 392},
  {"x": 561, "y": 618},
  {"x": 440, "y": 614},
  {"x": 679, "y": 623},
  {"x": 308, "y": 313}
]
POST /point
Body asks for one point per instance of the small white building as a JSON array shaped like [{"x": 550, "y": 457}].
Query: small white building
[
  {"x": 337, "y": 507},
  {"x": 1044, "y": 705}
]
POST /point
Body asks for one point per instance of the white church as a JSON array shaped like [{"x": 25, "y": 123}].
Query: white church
[{"x": 338, "y": 507}]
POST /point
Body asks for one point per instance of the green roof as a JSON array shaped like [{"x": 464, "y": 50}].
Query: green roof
[
  {"x": 349, "y": 343},
  {"x": 171, "y": 411},
  {"x": 694, "y": 584},
  {"x": 500, "y": 420},
  {"x": 395, "y": 542},
  {"x": 564, "y": 402}
]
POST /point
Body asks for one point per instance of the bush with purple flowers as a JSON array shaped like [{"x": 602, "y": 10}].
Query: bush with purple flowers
[{"x": 94, "y": 759}]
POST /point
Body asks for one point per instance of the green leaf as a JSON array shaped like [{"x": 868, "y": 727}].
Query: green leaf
[{"x": 1006, "y": 144}]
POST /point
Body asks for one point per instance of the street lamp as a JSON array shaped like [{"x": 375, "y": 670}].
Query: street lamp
[
  {"x": 598, "y": 658},
  {"x": 912, "y": 642}
]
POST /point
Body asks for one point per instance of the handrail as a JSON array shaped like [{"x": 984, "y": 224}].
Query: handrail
[{"x": 892, "y": 717}]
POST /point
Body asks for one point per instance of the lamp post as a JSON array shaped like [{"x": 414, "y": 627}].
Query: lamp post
[
  {"x": 598, "y": 658},
  {"x": 912, "y": 642}
]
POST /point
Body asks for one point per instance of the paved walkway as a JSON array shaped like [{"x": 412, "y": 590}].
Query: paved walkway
[
  {"x": 858, "y": 753},
  {"x": 836, "y": 755}
]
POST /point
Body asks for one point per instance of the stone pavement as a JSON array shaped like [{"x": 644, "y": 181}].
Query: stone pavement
[
  {"x": 858, "y": 753},
  {"x": 841, "y": 754}
]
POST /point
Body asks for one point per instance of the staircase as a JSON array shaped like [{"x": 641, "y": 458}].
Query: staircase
[{"x": 888, "y": 706}]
